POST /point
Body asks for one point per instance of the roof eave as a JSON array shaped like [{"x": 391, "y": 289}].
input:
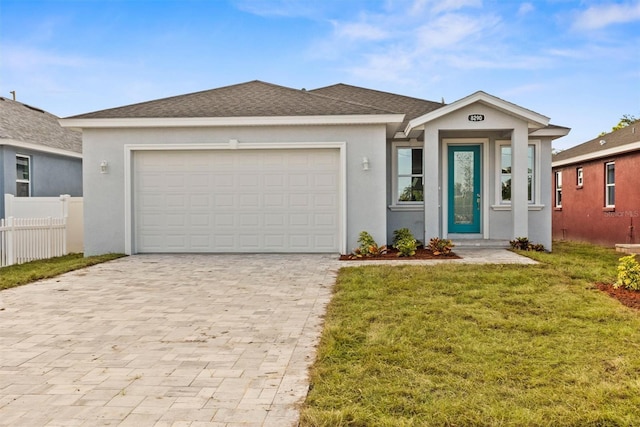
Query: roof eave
[
  {"x": 40, "y": 148},
  {"x": 162, "y": 122},
  {"x": 554, "y": 133},
  {"x": 623, "y": 149}
]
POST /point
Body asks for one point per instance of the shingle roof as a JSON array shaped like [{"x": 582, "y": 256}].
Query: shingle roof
[
  {"x": 616, "y": 139},
  {"x": 411, "y": 107},
  {"x": 21, "y": 122},
  {"x": 251, "y": 99}
]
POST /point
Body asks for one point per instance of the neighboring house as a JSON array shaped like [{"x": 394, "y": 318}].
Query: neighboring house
[
  {"x": 38, "y": 157},
  {"x": 596, "y": 189},
  {"x": 257, "y": 167}
]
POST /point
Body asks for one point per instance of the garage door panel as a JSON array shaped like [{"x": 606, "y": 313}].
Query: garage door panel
[{"x": 237, "y": 201}]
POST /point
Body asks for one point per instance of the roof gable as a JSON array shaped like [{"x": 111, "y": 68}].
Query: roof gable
[
  {"x": 27, "y": 126},
  {"x": 534, "y": 119}
]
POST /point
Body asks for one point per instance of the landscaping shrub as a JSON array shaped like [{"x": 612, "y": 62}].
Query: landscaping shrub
[
  {"x": 440, "y": 246},
  {"x": 628, "y": 273},
  {"x": 368, "y": 246},
  {"x": 404, "y": 242},
  {"x": 523, "y": 244}
]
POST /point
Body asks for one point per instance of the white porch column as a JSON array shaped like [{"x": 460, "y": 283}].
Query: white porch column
[
  {"x": 432, "y": 184},
  {"x": 519, "y": 181}
]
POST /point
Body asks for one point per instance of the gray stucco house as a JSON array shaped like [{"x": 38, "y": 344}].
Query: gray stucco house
[
  {"x": 257, "y": 167},
  {"x": 38, "y": 157}
]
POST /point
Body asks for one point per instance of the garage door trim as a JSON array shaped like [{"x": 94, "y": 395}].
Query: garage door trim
[{"x": 233, "y": 144}]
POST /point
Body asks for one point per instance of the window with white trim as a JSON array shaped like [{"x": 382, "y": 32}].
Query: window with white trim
[
  {"x": 505, "y": 173},
  {"x": 23, "y": 176},
  {"x": 579, "y": 177},
  {"x": 558, "y": 189},
  {"x": 408, "y": 175},
  {"x": 610, "y": 184}
]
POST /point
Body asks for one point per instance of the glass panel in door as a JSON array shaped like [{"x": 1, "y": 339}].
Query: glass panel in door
[{"x": 464, "y": 188}]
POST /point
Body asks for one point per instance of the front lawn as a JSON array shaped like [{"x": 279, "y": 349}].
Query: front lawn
[
  {"x": 16, "y": 275},
  {"x": 468, "y": 345}
]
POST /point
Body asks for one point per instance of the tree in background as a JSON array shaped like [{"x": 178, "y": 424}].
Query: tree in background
[{"x": 625, "y": 121}]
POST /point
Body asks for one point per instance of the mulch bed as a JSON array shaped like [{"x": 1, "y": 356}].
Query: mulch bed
[
  {"x": 392, "y": 254},
  {"x": 625, "y": 296}
]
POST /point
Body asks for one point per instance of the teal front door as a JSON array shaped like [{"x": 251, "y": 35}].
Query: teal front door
[{"x": 464, "y": 189}]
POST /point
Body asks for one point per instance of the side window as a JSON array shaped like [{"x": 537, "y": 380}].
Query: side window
[
  {"x": 505, "y": 173},
  {"x": 579, "y": 177},
  {"x": 23, "y": 176},
  {"x": 558, "y": 189},
  {"x": 610, "y": 184},
  {"x": 409, "y": 175}
]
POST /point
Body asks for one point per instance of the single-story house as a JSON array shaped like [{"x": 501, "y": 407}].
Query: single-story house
[
  {"x": 38, "y": 157},
  {"x": 596, "y": 187},
  {"x": 257, "y": 167}
]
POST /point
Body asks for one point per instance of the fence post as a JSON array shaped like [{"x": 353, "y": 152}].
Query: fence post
[
  {"x": 8, "y": 204},
  {"x": 65, "y": 235},
  {"x": 11, "y": 236}
]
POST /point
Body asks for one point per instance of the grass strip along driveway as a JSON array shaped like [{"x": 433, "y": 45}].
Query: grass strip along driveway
[
  {"x": 468, "y": 345},
  {"x": 21, "y": 274}
]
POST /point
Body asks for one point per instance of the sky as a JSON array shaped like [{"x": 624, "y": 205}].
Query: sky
[{"x": 575, "y": 61}]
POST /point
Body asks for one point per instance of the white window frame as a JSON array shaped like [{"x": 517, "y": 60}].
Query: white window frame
[
  {"x": 558, "y": 189},
  {"x": 535, "y": 178},
  {"x": 608, "y": 185},
  {"x": 579, "y": 176},
  {"x": 24, "y": 181},
  {"x": 395, "y": 203}
]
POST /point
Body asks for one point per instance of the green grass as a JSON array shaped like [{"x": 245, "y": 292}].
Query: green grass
[
  {"x": 21, "y": 274},
  {"x": 465, "y": 345}
]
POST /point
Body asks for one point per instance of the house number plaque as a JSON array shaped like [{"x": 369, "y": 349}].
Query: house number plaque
[{"x": 476, "y": 117}]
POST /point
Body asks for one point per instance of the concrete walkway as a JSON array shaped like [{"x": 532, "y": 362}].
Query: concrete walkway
[{"x": 169, "y": 340}]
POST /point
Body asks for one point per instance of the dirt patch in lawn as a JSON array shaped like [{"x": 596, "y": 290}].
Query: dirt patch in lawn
[
  {"x": 392, "y": 254},
  {"x": 625, "y": 296}
]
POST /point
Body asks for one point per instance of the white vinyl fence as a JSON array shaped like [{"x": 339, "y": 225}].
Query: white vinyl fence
[{"x": 27, "y": 239}]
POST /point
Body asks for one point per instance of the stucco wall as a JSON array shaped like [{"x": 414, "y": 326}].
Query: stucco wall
[
  {"x": 104, "y": 193},
  {"x": 583, "y": 216}
]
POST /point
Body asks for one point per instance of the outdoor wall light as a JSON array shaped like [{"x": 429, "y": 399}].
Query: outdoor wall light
[
  {"x": 103, "y": 166},
  {"x": 365, "y": 163}
]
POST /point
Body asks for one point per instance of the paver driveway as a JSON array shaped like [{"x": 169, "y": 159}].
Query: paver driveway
[{"x": 164, "y": 340}]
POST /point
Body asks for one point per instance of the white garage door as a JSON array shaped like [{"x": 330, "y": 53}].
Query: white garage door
[{"x": 237, "y": 201}]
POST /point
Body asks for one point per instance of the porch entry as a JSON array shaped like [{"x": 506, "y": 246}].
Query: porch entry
[{"x": 464, "y": 188}]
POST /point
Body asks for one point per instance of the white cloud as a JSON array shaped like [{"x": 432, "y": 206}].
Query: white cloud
[
  {"x": 525, "y": 9},
  {"x": 451, "y": 30},
  {"x": 601, "y": 16},
  {"x": 384, "y": 67},
  {"x": 29, "y": 58},
  {"x": 438, "y": 6},
  {"x": 286, "y": 8},
  {"x": 359, "y": 31}
]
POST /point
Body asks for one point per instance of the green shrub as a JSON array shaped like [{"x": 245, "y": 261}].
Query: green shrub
[
  {"x": 368, "y": 246},
  {"x": 628, "y": 273},
  {"x": 523, "y": 244},
  {"x": 440, "y": 246},
  {"x": 404, "y": 242},
  {"x": 402, "y": 233}
]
